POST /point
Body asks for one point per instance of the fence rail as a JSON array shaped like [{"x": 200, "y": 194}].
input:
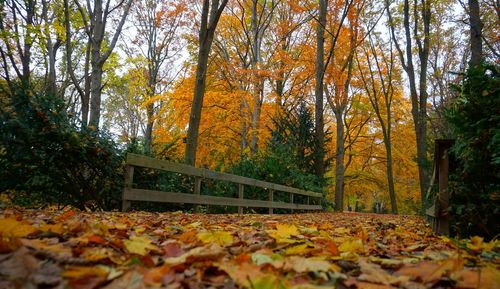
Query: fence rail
[{"x": 135, "y": 194}]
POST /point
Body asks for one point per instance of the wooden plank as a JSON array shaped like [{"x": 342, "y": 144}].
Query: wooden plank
[
  {"x": 147, "y": 162},
  {"x": 197, "y": 191},
  {"x": 271, "y": 199},
  {"x": 241, "y": 193},
  {"x": 443, "y": 198},
  {"x": 129, "y": 180},
  {"x": 168, "y": 197}
]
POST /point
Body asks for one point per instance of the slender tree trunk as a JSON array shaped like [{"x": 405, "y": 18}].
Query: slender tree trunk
[
  {"x": 255, "y": 119},
  {"x": 96, "y": 71},
  {"x": 199, "y": 92},
  {"x": 339, "y": 161},
  {"x": 418, "y": 98},
  {"x": 148, "y": 136},
  {"x": 151, "y": 91},
  {"x": 95, "y": 93},
  {"x": 28, "y": 43},
  {"x": 476, "y": 26},
  {"x": 390, "y": 173},
  {"x": 257, "y": 82},
  {"x": 209, "y": 18},
  {"x": 51, "y": 79},
  {"x": 243, "y": 143},
  {"x": 51, "y": 88},
  {"x": 318, "y": 91}
]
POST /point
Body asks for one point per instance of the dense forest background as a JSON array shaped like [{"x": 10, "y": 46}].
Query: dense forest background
[{"x": 344, "y": 97}]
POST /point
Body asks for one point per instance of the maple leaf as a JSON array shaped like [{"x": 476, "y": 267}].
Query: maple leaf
[
  {"x": 139, "y": 245},
  {"x": 163, "y": 274},
  {"x": 301, "y": 249},
  {"x": 477, "y": 244},
  {"x": 77, "y": 272},
  {"x": 301, "y": 264},
  {"x": 219, "y": 237},
  {"x": 13, "y": 228},
  {"x": 283, "y": 232},
  {"x": 56, "y": 228},
  {"x": 352, "y": 245}
]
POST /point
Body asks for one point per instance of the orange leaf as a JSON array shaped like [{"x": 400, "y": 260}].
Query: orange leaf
[
  {"x": 155, "y": 276},
  {"x": 96, "y": 239}
]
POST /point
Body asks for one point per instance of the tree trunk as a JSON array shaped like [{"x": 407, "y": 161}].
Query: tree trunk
[
  {"x": 318, "y": 91},
  {"x": 209, "y": 18},
  {"x": 418, "y": 102},
  {"x": 476, "y": 26},
  {"x": 28, "y": 43},
  {"x": 96, "y": 71},
  {"x": 148, "y": 135},
  {"x": 51, "y": 79},
  {"x": 339, "y": 161},
  {"x": 95, "y": 93},
  {"x": 257, "y": 82},
  {"x": 243, "y": 143},
  {"x": 390, "y": 173},
  {"x": 199, "y": 92}
]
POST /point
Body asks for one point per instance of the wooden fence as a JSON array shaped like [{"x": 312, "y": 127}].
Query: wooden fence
[
  {"x": 135, "y": 194},
  {"x": 443, "y": 165}
]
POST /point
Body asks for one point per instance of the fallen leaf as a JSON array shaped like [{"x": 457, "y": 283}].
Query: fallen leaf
[
  {"x": 139, "y": 245},
  {"x": 78, "y": 272},
  {"x": 301, "y": 264},
  {"x": 283, "y": 232},
  {"x": 13, "y": 228},
  {"x": 352, "y": 245},
  {"x": 155, "y": 276},
  {"x": 218, "y": 237}
]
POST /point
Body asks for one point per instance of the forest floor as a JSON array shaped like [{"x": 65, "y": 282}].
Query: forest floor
[{"x": 72, "y": 249}]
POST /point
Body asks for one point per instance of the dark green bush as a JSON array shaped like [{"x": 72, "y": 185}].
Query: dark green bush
[
  {"x": 288, "y": 158},
  {"x": 47, "y": 159},
  {"x": 474, "y": 117}
]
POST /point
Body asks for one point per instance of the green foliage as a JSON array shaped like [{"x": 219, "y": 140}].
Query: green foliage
[
  {"x": 46, "y": 159},
  {"x": 475, "y": 120},
  {"x": 288, "y": 158}
]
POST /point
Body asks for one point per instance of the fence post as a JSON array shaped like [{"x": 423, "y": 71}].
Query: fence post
[
  {"x": 241, "y": 192},
  {"x": 197, "y": 191},
  {"x": 271, "y": 199},
  {"x": 291, "y": 199},
  {"x": 129, "y": 180}
]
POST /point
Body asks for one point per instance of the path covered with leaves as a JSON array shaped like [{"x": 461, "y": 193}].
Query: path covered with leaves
[{"x": 71, "y": 249}]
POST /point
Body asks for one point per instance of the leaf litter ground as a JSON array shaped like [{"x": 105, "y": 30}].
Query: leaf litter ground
[{"x": 72, "y": 249}]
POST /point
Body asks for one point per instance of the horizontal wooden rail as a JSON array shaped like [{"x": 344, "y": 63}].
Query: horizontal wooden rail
[
  {"x": 160, "y": 196},
  {"x": 133, "y": 194}
]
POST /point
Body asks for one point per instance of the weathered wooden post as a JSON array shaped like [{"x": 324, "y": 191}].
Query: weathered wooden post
[
  {"x": 129, "y": 180},
  {"x": 197, "y": 191},
  {"x": 439, "y": 211},
  {"x": 241, "y": 193},
  {"x": 271, "y": 199}
]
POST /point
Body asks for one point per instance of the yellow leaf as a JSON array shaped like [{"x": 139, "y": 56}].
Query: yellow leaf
[
  {"x": 342, "y": 230},
  {"x": 301, "y": 264},
  {"x": 267, "y": 282},
  {"x": 298, "y": 250},
  {"x": 77, "y": 272},
  {"x": 56, "y": 228},
  {"x": 477, "y": 244},
  {"x": 139, "y": 245},
  {"x": 12, "y": 228},
  {"x": 218, "y": 237},
  {"x": 353, "y": 246},
  {"x": 283, "y": 232},
  {"x": 96, "y": 254}
]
